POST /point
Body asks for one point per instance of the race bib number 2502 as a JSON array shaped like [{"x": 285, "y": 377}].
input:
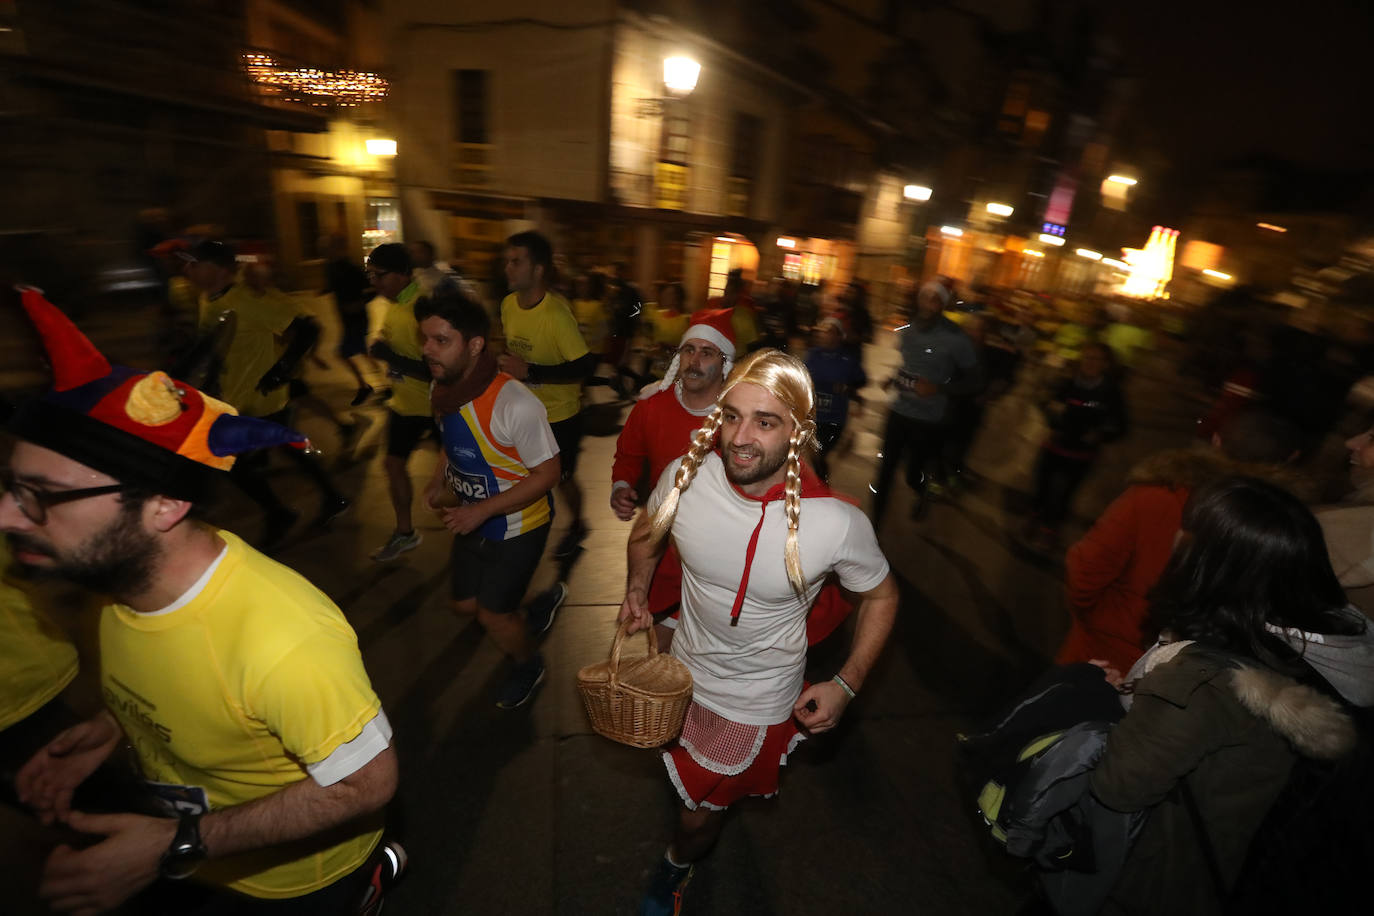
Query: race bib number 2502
[{"x": 468, "y": 487}]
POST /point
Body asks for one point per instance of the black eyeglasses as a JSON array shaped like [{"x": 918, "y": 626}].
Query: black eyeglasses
[{"x": 34, "y": 503}]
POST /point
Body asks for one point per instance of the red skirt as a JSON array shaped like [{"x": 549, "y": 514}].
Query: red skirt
[{"x": 716, "y": 762}]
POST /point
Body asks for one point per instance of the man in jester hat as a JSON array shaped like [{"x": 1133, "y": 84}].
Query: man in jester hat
[{"x": 237, "y": 683}]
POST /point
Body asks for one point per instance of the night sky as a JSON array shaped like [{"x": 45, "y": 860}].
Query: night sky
[{"x": 1223, "y": 80}]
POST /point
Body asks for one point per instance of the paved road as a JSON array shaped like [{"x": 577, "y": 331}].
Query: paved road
[{"x": 529, "y": 812}]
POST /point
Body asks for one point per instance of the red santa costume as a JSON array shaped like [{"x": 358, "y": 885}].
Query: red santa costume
[
  {"x": 659, "y": 431},
  {"x": 743, "y": 632}
]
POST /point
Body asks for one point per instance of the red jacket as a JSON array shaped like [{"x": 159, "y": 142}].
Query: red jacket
[{"x": 1109, "y": 574}]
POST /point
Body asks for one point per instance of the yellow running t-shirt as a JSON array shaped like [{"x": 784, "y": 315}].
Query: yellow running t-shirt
[
  {"x": 37, "y": 659},
  {"x": 230, "y": 696},
  {"x": 261, "y": 319},
  {"x": 546, "y": 335},
  {"x": 409, "y": 396},
  {"x": 593, "y": 322}
]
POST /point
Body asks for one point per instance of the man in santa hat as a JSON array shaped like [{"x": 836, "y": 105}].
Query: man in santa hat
[
  {"x": 237, "y": 683},
  {"x": 660, "y": 426}
]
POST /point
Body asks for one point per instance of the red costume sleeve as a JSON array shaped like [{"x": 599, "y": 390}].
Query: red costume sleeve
[{"x": 632, "y": 447}]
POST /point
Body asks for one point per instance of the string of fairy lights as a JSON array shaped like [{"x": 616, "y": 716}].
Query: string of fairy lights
[{"x": 312, "y": 86}]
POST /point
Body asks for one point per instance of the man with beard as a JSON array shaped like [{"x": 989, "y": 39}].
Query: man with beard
[
  {"x": 660, "y": 426},
  {"x": 238, "y": 684},
  {"x": 545, "y": 350},
  {"x": 743, "y": 628},
  {"x": 499, "y": 462}
]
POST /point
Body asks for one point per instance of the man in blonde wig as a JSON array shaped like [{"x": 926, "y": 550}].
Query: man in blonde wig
[{"x": 757, "y": 533}]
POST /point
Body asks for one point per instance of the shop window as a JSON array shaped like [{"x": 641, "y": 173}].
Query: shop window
[{"x": 720, "y": 268}]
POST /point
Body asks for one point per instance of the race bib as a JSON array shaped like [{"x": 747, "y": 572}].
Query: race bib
[
  {"x": 468, "y": 487},
  {"x": 178, "y": 800}
]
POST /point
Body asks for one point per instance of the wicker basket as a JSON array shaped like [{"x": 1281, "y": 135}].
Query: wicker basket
[{"x": 641, "y": 703}]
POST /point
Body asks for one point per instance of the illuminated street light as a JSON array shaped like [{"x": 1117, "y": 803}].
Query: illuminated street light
[
  {"x": 381, "y": 147},
  {"x": 1002, "y": 210},
  {"x": 1088, "y": 253},
  {"x": 916, "y": 192},
  {"x": 1032, "y": 252},
  {"x": 1216, "y": 274},
  {"x": 1119, "y": 265},
  {"x": 1271, "y": 227},
  {"x": 1054, "y": 240},
  {"x": 680, "y": 74},
  {"x": 953, "y": 231},
  {"x": 786, "y": 242},
  {"x": 1122, "y": 179}
]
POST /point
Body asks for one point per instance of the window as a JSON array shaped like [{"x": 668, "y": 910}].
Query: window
[
  {"x": 674, "y": 144},
  {"x": 744, "y": 158},
  {"x": 308, "y": 228},
  {"x": 745, "y": 153},
  {"x": 470, "y": 106},
  {"x": 471, "y": 128}
]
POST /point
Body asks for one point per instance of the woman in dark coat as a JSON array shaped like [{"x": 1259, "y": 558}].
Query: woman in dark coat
[{"x": 1220, "y": 711}]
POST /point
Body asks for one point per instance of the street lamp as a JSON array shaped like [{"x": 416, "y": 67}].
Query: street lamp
[
  {"x": 1122, "y": 180},
  {"x": 951, "y": 231},
  {"x": 680, "y": 75},
  {"x": 1002, "y": 210},
  {"x": 1088, "y": 253},
  {"x": 380, "y": 146},
  {"x": 1054, "y": 240},
  {"x": 916, "y": 192}
]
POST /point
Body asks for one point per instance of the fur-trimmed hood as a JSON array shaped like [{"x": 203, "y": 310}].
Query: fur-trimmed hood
[
  {"x": 1194, "y": 467},
  {"x": 1314, "y": 724}
]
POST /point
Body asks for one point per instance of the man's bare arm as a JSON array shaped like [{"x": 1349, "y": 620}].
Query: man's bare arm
[
  {"x": 643, "y": 557},
  {"x": 300, "y": 810},
  {"x": 873, "y": 624}
]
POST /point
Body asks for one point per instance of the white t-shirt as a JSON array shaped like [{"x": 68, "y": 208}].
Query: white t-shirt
[{"x": 752, "y": 672}]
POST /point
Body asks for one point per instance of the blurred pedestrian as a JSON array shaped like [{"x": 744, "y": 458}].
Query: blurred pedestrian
[
  {"x": 236, "y": 684},
  {"x": 492, "y": 485},
  {"x": 347, "y": 282},
  {"x": 408, "y": 415},
  {"x": 743, "y": 314},
  {"x": 589, "y": 308},
  {"x": 1109, "y": 573},
  {"x": 966, "y": 408},
  {"x": 1219, "y": 712},
  {"x": 269, "y": 341},
  {"x": 1085, "y": 411},
  {"x": 749, "y": 700},
  {"x": 938, "y": 361},
  {"x": 837, "y": 374},
  {"x": 545, "y": 351},
  {"x": 626, "y": 307}
]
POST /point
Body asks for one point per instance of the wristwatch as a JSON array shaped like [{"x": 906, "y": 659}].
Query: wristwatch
[{"x": 187, "y": 851}]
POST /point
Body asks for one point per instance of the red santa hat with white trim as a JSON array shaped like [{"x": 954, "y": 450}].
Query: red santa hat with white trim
[{"x": 714, "y": 327}]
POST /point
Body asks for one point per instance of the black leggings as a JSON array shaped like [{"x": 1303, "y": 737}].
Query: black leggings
[
  {"x": 1057, "y": 479},
  {"x": 916, "y": 440}
]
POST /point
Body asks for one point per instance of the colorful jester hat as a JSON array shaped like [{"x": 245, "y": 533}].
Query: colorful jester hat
[{"x": 141, "y": 428}]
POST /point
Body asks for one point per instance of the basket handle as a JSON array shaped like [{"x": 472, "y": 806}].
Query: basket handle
[{"x": 620, "y": 639}]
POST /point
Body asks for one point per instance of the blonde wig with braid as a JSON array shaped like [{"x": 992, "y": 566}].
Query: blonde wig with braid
[{"x": 785, "y": 378}]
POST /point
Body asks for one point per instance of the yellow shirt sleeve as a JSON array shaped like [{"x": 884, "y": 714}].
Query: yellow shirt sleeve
[{"x": 317, "y": 697}]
